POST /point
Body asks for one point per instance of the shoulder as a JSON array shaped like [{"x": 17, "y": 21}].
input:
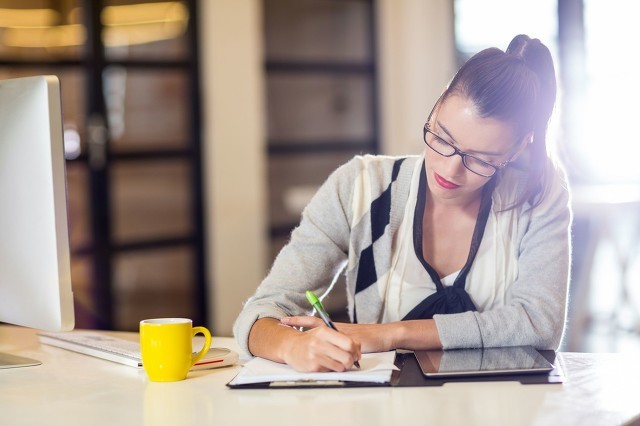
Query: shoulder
[
  {"x": 556, "y": 195},
  {"x": 379, "y": 164},
  {"x": 377, "y": 169},
  {"x": 367, "y": 178},
  {"x": 364, "y": 176}
]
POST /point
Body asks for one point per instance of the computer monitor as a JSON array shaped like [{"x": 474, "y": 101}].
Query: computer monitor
[{"x": 35, "y": 272}]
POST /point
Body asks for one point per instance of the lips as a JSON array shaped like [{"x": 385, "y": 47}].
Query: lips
[{"x": 445, "y": 183}]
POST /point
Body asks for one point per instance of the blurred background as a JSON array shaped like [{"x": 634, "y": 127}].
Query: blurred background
[{"x": 196, "y": 131}]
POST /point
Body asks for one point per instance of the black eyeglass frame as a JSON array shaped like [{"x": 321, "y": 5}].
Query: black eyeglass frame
[{"x": 456, "y": 151}]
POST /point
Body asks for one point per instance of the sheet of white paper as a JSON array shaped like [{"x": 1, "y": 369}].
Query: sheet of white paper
[{"x": 375, "y": 367}]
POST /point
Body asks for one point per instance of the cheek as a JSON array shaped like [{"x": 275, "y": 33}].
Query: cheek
[
  {"x": 436, "y": 161},
  {"x": 446, "y": 166},
  {"x": 474, "y": 181},
  {"x": 468, "y": 179},
  {"x": 432, "y": 158}
]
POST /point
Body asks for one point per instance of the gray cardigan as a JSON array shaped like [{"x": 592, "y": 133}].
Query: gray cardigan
[{"x": 330, "y": 239}]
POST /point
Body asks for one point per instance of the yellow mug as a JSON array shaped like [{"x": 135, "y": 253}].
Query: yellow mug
[{"x": 166, "y": 345}]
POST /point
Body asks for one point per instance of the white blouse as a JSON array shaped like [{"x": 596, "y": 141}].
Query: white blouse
[{"x": 494, "y": 268}]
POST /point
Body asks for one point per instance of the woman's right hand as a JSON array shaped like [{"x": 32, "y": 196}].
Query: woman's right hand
[{"x": 320, "y": 348}]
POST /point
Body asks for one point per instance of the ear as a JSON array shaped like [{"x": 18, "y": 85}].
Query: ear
[{"x": 522, "y": 145}]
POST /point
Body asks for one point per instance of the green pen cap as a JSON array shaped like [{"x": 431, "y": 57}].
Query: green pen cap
[{"x": 312, "y": 298}]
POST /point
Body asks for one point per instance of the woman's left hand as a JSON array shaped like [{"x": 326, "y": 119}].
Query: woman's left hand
[{"x": 372, "y": 337}]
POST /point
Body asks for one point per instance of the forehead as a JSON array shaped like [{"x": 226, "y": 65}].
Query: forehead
[{"x": 459, "y": 117}]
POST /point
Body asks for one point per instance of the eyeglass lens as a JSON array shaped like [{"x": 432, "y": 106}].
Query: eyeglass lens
[{"x": 444, "y": 148}]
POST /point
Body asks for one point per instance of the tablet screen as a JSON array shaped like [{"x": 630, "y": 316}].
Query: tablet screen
[{"x": 485, "y": 361}]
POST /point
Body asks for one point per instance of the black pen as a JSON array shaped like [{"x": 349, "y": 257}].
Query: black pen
[{"x": 315, "y": 302}]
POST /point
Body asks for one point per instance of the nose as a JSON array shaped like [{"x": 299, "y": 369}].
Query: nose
[{"x": 454, "y": 166}]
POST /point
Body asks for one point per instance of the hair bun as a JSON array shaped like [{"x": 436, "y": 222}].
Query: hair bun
[
  {"x": 537, "y": 57},
  {"x": 519, "y": 44}
]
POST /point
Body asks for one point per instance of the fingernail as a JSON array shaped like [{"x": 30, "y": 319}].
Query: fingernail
[{"x": 285, "y": 320}]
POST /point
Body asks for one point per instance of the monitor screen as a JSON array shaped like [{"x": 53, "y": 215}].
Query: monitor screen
[{"x": 35, "y": 277}]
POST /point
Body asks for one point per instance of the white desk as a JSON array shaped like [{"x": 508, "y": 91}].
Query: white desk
[{"x": 74, "y": 389}]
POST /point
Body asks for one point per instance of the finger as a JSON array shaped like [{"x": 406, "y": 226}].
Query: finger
[
  {"x": 337, "y": 346},
  {"x": 302, "y": 321},
  {"x": 331, "y": 364},
  {"x": 340, "y": 360},
  {"x": 347, "y": 329},
  {"x": 346, "y": 343},
  {"x": 324, "y": 364},
  {"x": 325, "y": 341},
  {"x": 329, "y": 358},
  {"x": 317, "y": 351}
]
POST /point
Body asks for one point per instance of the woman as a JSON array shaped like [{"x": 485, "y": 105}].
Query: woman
[{"x": 467, "y": 245}]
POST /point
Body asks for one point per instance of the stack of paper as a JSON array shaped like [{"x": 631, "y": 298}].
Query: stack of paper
[{"x": 374, "y": 368}]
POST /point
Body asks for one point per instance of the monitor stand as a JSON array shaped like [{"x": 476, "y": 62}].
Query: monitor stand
[{"x": 14, "y": 361}]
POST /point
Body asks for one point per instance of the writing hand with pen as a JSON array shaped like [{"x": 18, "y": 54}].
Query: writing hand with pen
[
  {"x": 317, "y": 305},
  {"x": 329, "y": 346},
  {"x": 329, "y": 343},
  {"x": 318, "y": 337},
  {"x": 325, "y": 348},
  {"x": 322, "y": 347}
]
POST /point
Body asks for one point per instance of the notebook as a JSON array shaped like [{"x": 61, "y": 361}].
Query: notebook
[{"x": 375, "y": 369}]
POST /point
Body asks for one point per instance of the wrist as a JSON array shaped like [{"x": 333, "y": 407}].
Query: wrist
[
  {"x": 286, "y": 342},
  {"x": 284, "y": 349},
  {"x": 271, "y": 340},
  {"x": 397, "y": 335},
  {"x": 415, "y": 335}
]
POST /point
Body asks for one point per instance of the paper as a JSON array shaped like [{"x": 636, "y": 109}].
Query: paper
[{"x": 374, "y": 367}]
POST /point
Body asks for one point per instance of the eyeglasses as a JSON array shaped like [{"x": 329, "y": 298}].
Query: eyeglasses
[
  {"x": 470, "y": 162},
  {"x": 444, "y": 148}
]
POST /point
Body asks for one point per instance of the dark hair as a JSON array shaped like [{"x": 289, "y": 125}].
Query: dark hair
[{"x": 519, "y": 87}]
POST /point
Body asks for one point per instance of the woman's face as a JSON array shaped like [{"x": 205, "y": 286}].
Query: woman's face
[{"x": 489, "y": 139}]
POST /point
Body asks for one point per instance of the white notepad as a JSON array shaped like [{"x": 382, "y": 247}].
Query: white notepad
[{"x": 374, "y": 368}]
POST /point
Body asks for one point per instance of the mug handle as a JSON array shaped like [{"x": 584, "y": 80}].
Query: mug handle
[{"x": 207, "y": 344}]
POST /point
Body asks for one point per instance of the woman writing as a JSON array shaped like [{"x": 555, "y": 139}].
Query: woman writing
[{"x": 464, "y": 246}]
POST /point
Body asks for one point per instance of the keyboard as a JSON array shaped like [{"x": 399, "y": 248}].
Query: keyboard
[{"x": 101, "y": 345}]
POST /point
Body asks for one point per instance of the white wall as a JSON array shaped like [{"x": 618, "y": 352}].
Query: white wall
[
  {"x": 234, "y": 162},
  {"x": 416, "y": 55},
  {"x": 416, "y": 59}
]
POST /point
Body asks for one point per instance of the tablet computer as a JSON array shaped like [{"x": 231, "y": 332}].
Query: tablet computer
[{"x": 482, "y": 362}]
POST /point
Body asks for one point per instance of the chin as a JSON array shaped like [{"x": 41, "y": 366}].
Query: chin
[{"x": 459, "y": 193}]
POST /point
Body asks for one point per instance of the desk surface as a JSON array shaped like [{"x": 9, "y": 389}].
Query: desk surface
[{"x": 75, "y": 389}]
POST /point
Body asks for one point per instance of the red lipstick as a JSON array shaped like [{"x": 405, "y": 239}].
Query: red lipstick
[{"x": 445, "y": 183}]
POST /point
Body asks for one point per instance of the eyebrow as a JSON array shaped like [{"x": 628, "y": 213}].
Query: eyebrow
[{"x": 444, "y": 129}]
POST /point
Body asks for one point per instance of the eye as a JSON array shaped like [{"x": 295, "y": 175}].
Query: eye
[
  {"x": 487, "y": 160},
  {"x": 484, "y": 158},
  {"x": 440, "y": 132},
  {"x": 479, "y": 166},
  {"x": 441, "y": 141}
]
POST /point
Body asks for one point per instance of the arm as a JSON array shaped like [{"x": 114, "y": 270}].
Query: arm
[
  {"x": 318, "y": 349},
  {"x": 315, "y": 255},
  {"x": 412, "y": 335}
]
